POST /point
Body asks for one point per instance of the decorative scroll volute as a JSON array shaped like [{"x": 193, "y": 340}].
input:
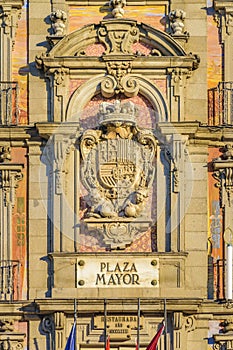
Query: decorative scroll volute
[{"x": 119, "y": 80}]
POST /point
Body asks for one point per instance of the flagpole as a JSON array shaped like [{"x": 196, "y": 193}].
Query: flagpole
[
  {"x": 138, "y": 324},
  {"x": 165, "y": 321},
  {"x": 75, "y": 321},
  {"x": 105, "y": 323}
]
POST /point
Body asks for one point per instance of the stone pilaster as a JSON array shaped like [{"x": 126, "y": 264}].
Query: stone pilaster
[
  {"x": 9, "y": 15},
  {"x": 224, "y": 19},
  {"x": 10, "y": 174}
]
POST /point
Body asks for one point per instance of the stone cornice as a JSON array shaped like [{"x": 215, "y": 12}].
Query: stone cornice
[
  {"x": 150, "y": 64},
  {"x": 198, "y": 134},
  {"x": 32, "y": 307},
  {"x": 12, "y": 4},
  {"x": 129, "y": 2},
  {"x": 223, "y": 4}
]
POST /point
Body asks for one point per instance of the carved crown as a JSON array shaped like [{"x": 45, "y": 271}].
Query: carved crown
[{"x": 117, "y": 112}]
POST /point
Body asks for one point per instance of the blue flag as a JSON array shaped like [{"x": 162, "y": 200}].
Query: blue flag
[{"x": 70, "y": 345}]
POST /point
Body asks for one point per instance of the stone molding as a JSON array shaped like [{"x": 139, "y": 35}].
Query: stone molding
[
  {"x": 223, "y": 173},
  {"x": 93, "y": 86},
  {"x": 130, "y": 31},
  {"x": 224, "y": 20},
  {"x": 10, "y": 12},
  {"x": 119, "y": 69},
  {"x": 224, "y": 16},
  {"x": 10, "y": 174}
]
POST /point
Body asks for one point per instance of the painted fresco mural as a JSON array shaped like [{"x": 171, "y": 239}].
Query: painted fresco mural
[
  {"x": 146, "y": 241},
  {"x": 19, "y": 65},
  {"x": 19, "y": 239},
  {"x": 153, "y": 16}
]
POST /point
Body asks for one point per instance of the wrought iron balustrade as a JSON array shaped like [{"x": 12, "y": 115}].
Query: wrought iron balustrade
[
  {"x": 9, "y": 280},
  {"x": 8, "y": 103},
  {"x": 220, "y": 104}
]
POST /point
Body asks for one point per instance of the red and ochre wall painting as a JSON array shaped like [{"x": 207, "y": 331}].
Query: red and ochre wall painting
[{"x": 154, "y": 16}]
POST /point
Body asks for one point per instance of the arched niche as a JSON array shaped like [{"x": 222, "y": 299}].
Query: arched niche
[{"x": 83, "y": 94}]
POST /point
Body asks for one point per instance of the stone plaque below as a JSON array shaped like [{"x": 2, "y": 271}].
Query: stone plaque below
[
  {"x": 117, "y": 272},
  {"x": 119, "y": 327}
]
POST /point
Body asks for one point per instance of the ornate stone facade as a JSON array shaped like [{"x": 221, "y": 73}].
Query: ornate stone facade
[{"x": 115, "y": 182}]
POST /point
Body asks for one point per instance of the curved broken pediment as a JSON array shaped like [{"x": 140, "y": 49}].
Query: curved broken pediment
[
  {"x": 118, "y": 37},
  {"x": 116, "y": 56}
]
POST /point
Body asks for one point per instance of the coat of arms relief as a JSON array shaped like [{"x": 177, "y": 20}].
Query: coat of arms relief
[{"x": 118, "y": 172}]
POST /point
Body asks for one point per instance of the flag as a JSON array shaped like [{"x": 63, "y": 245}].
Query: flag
[
  {"x": 107, "y": 343},
  {"x": 70, "y": 345},
  {"x": 136, "y": 344},
  {"x": 154, "y": 342}
]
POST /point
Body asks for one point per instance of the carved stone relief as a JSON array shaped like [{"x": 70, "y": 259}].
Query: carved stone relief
[
  {"x": 117, "y": 5},
  {"x": 118, "y": 40},
  {"x": 5, "y": 154},
  {"x": 119, "y": 80},
  {"x": 223, "y": 173},
  {"x": 53, "y": 327},
  {"x": 58, "y": 19},
  {"x": 9, "y": 338},
  {"x": 177, "y": 18},
  {"x": 9, "y": 177},
  {"x": 118, "y": 172}
]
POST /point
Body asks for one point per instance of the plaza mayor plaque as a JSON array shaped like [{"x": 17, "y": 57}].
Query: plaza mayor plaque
[{"x": 117, "y": 271}]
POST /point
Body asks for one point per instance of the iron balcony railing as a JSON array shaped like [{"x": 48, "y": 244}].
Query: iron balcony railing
[
  {"x": 220, "y": 104},
  {"x": 9, "y": 280},
  {"x": 8, "y": 103}
]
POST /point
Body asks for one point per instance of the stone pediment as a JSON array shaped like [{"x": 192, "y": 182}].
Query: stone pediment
[{"x": 118, "y": 37}]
